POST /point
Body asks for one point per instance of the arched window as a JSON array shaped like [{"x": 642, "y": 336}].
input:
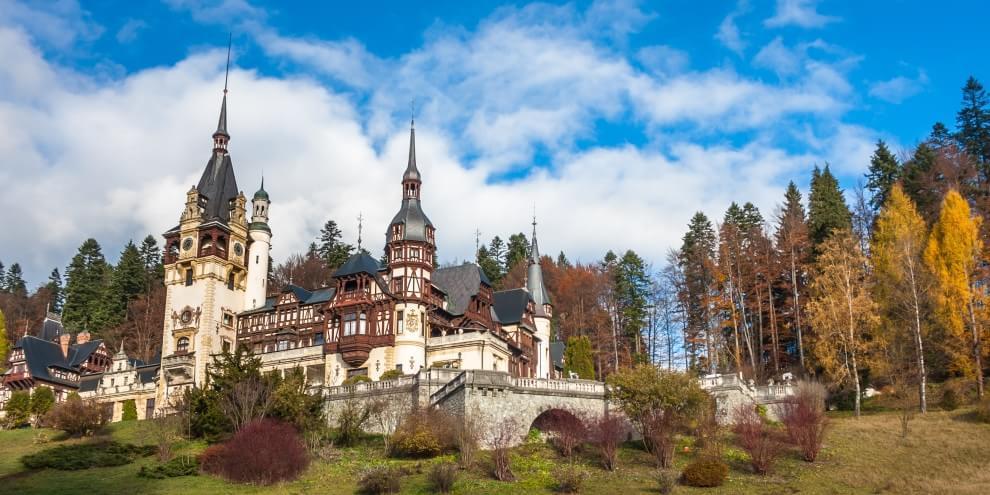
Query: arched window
[{"x": 182, "y": 345}]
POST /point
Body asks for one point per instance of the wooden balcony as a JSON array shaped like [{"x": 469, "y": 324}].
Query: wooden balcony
[
  {"x": 356, "y": 348},
  {"x": 18, "y": 380}
]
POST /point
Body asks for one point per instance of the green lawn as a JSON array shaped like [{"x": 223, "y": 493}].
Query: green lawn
[{"x": 944, "y": 453}]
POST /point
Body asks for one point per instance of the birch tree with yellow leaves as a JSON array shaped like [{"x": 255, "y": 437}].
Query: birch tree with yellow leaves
[
  {"x": 901, "y": 279},
  {"x": 841, "y": 310},
  {"x": 952, "y": 255}
]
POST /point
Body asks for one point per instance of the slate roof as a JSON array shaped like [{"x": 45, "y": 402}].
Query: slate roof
[
  {"x": 411, "y": 214},
  {"x": 40, "y": 355},
  {"x": 218, "y": 186},
  {"x": 557, "y": 354},
  {"x": 461, "y": 283},
  {"x": 358, "y": 263},
  {"x": 534, "y": 278},
  {"x": 510, "y": 305},
  {"x": 90, "y": 383},
  {"x": 51, "y": 329}
]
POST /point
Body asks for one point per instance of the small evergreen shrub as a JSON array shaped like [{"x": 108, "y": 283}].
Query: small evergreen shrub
[
  {"x": 262, "y": 452},
  {"x": 568, "y": 479},
  {"x": 390, "y": 375},
  {"x": 86, "y": 455},
  {"x": 42, "y": 400},
  {"x": 379, "y": 480},
  {"x": 130, "y": 411},
  {"x": 179, "y": 466},
  {"x": 18, "y": 410},
  {"x": 443, "y": 476},
  {"x": 705, "y": 473},
  {"x": 950, "y": 400}
]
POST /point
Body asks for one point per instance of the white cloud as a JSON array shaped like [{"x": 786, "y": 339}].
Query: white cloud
[
  {"x": 899, "y": 88},
  {"x": 59, "y": 23},
  {"x": 112, "y": 159},
  {"x": 128, "y": 32},
  {"x": 728, "y": 31},
  {"x": 801, "y": 13}
]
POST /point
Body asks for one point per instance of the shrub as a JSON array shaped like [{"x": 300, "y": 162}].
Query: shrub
[
  {"x": 756, "y": 438},
  {"x": 86, "y": 455},
  {"x": 567, "y": 432},
  {"x": 503, "y": 435},
  {"x": 319, "y": 442},
  {"x": 130, "y": 411},
  {"x": 351, "y": 419},
  {"x": 292, "y": 402},
  {"x": 568, "y": 479},
  {"x": 354, "y": 380},
  {"x": 804, "y": 417},
  {"x": 983, "y": 410},
  {"x": 180, "y": 466},
  {"x": 42, "y": 400},
  {"x": 263, "y": 452},
  {"x": 162, "y": 432},
  {"x": 950, "y": 400},
  {"x": 467, "y": 433},
  {"x": 211, "y": 459},
  {"x": 443, "y": 476},
  {"x": 606, "y": 434},
  {"x": 77, "y": 417},
  {"x": 203, "y": 415},
  {"x": 708, "y": 432},
  {"x": 705, "y": 472},
  {"x": 379, "y": 480},
  {"x": 390, "y": 375},
  {"x": 18, "y": 410},
  {"x": 666, "y": 480},
  {"x": 425, "y": 433}
]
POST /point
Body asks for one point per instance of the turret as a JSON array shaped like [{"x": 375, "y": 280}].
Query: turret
[
  {"x": 259, "y": 254},
  {"x": 543, "y": 311}
]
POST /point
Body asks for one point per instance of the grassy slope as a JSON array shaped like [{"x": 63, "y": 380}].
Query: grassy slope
[{"x": 944, "y": 453}]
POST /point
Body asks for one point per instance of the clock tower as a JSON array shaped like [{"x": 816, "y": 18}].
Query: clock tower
[{"x": 206, "y": 273}]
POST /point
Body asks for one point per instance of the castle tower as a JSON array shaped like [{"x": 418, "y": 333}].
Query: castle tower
[
  {"x": 410, "y": 247},
  {"x": 544, "y": 308},
  {"x": 259, "y": 250},
  {"x": 205, "y": 273}
]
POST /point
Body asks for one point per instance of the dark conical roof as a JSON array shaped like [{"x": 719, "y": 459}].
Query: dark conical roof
[
  {"x": 534, "y": 277},
  {"x": 412, "y": 173},
  {"x": 218, "y": 186},
  {"x": 222, "y": 123},
  {"x": 261, "y": 193}
]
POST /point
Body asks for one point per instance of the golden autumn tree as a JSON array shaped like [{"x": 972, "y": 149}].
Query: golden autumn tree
[
  {"x": 901, "y": 279},
  {"x": 841, "y": 310},
  {"x": 952, "y": 256}
]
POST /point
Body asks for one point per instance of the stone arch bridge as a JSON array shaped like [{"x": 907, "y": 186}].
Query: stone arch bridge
[{"x": 489, "y": 397}]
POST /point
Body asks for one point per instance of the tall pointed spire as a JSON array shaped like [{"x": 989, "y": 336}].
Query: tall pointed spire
[
  {"x": 534, "y": 276},
  {"x": 221, "y": 137},
  {"x": 412, "y": 172}
]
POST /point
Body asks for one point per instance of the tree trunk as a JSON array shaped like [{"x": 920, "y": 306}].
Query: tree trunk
[
  {"x": 797, "y": 309},
  {"x": 852, "y": 340},
  {"x": 977, "y": 358},
  {"x": 919, "y": 348}
]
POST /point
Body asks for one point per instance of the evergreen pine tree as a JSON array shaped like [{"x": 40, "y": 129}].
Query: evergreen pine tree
[
  {"x": 488, "y": 265},
  {"x": 940, "y": 136},
  {"x": 14, "y": 282},
  {"x": 696, "y": 259},
  {"x": 827, "y": 210},
  {"x": 632, "y": 285},
  {"x": 916, "y": 178},
  {"x": 793, "y": 243},
  {"x": 127, "y": 280},
  {"x": 331, "y": 249},
  {"x": 54, "y": 287},
  {"x": 86, "y": 281},
  {"x": 562, "y": 261},
  {"x": 578, "y": 358},
  {"x": 151, "y": 255},
  {"x": 4, "y": 346},
  {"x": 973, "y": 124},
  {"x": 3, "y": 278},
  {"x": 884, "y": 172},
  {"x": 517, "y": 250},
  {"x": 496, "y": 249}
]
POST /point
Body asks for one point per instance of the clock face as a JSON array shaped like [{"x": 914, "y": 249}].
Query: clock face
[
  {"x": 187, "y": 243},
  {"x": 238, "y": 249},
  {"x": 186, "y": 316}
]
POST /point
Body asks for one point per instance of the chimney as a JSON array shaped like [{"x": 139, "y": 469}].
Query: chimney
[
  {"x": 82, "y": 337},
  {"x": 63, "y": 341}
]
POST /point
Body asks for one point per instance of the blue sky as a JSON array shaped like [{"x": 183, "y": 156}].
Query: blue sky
[{"x": 615, "y": 119}]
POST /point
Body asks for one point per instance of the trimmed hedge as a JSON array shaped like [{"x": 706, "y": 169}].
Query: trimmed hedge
[
  {"x": 86, "y": 455},
  {"x": 186, "y": 465},
  {"x": 705, "y": 473}
]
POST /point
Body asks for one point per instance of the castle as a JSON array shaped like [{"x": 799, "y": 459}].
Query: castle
[{"x": 405, "y": 314}]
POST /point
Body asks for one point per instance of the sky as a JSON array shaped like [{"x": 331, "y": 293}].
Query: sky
[{"x": 614, "y": 120}]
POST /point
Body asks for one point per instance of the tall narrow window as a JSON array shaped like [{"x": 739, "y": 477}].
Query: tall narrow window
[
  {"x": 230, "y": 281},
  {"x": 350, "y": 324},
  {"x": 182, "y": 345},
  {"x": 189, "y": 276},
  {"x": 400, "y": 325},
  {"x": 362, "y": 324}
]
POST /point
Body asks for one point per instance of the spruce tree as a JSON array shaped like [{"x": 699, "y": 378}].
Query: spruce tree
[
  {"x": 86, "y": 281},
  {"x": 940, "y": 136},
  {"x": 696, "y": 260},
  {"x": 488, "y": 265},
  {"x": 916, "y": 179},
  {"x": 127, "y": 280},
  {"x": 517, "y": 250},
  {"x": 497, "y": 251},
  {"x": 54, "y": 287},
  {"x": 884, "y": 172},
  {"x": 14, "y": 282},
  {"x": 578, "y": 358},
  {"x": 973, "y": 124},
  {"x": 330, "y": 248},
  {"x": 632, "y": 285},
  {"x": 827, "y": 210},
  {"x": 793, "y": 243},
  {"x": 3, "y": 278},
  {"x": 151, "y": 255},
  {"x": 562, "y": 261}
]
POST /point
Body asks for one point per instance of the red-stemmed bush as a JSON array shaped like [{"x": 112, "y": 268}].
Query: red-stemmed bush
[
  {"x": 606, "y": 433},
  {"x": 804, "y": 416},
  {"x": 757, "y": 438},
  {"x": 502, "y": 436},
  {"x": 263, "y": 452},
  {"x": 566, "y": 430}
]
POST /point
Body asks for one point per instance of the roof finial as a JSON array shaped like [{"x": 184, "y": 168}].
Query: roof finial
[
  {"x": 412, "y": 113},
  {"x": 477, "y": 242},
  {"x": 534, "y": 220},
  {"x": 360, "y": 219}
]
